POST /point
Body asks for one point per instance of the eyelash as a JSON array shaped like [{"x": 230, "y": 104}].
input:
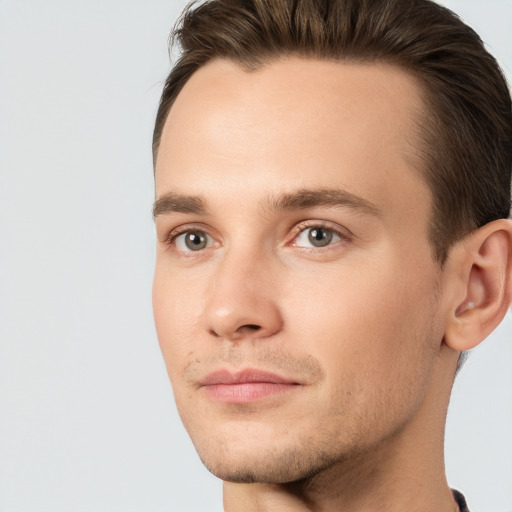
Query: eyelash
[{"x": 344, "y": 236}]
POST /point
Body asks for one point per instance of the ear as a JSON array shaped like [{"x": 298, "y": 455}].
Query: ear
[{"x": 484, "y": 285}]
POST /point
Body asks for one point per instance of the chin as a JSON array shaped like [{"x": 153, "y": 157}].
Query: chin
[
  {"x": 266, "y": 463},
  {"x": 271, "y": 471}
]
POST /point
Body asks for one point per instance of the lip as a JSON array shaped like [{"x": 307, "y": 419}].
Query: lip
[{"x": 246, "y": 386}]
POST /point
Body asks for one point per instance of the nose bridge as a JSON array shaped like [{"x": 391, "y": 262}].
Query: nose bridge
[{"x": 241, "y": 299}]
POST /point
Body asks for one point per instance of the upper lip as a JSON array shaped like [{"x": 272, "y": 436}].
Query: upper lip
[{"x": 249, "y": 375}]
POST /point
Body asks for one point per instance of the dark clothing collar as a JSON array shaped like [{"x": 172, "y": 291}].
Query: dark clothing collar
[{"x": 461, "y": 501}]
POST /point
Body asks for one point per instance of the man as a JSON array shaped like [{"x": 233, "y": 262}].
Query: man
[{"x": 332, "y": 202}]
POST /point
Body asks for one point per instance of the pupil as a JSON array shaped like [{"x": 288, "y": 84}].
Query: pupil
[
  {"x": 195, "y": 241},
  {"x": 320, "y": 237}
]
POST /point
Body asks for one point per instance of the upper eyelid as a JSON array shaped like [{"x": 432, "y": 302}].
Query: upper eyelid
[
  {"x": 173, "y": 233},
  {"x": 331, "y": 226}
]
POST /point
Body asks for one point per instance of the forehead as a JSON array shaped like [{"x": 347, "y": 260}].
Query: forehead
[{"x": 295, "y": 123}]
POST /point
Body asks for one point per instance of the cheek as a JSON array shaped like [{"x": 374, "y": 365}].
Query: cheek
[
  {"x": 176, "y": 310},
  {"x": 372, "y": 329}
]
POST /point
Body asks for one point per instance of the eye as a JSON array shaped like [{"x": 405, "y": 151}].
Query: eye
[
  {"x": 193, "y": 241},
  {"x": 316, "y": 236}
]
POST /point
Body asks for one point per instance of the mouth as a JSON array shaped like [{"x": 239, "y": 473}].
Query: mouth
[{"x": 246, "y": 386}]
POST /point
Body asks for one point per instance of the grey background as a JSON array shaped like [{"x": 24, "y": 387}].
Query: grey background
[{"x": 87, "y": 420}]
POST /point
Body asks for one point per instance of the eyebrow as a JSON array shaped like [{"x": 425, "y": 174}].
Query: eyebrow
[
  {"x": 306, "y": 198},
  {"x": 301, "y": 199},
  {"x": 177, "y": 203}
]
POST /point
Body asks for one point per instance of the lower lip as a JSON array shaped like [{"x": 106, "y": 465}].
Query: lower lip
[{"x": 246, "y": 392}]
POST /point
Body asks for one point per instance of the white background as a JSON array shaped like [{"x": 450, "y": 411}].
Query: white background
[{"x": 87, "y": 420}]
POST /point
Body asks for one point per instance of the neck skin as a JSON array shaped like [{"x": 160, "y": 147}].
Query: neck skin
[{"x": 404, "y": 473}]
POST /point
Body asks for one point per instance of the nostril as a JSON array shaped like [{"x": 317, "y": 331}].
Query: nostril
[{"x": 253, "y": 327}]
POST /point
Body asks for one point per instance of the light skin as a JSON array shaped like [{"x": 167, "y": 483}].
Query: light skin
[{"x": 292, "y": 224}]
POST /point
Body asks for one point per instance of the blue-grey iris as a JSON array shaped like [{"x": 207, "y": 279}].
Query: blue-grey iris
[{"x": 319, "y": 237}]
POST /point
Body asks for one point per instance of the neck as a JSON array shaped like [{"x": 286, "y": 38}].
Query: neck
[{"x": 403, "y": 473}]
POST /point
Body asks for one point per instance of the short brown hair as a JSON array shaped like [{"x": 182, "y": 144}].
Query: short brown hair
[{"x": 466, "y": 130}]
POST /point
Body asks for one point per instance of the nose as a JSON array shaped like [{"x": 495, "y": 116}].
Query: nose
[{"x": 242, "y": 300}]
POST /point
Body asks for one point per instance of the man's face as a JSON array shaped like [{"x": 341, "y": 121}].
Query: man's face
[{"x": 295, "y": 294}]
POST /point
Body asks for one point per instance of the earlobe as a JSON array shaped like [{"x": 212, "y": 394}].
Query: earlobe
[{"x": 486, "y": 280}]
